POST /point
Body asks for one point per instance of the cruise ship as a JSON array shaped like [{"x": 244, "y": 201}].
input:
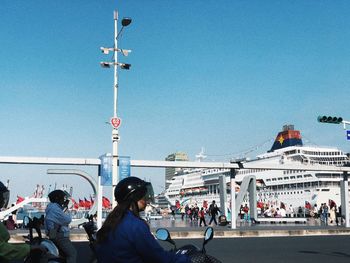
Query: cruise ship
[{"x": 293, "y": 188}]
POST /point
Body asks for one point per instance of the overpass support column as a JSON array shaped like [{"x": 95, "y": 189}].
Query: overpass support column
[
  {"x": 223, "y": 194},
  {"x": 233, "y": 198},
  {"x": 344, "y": 195}
]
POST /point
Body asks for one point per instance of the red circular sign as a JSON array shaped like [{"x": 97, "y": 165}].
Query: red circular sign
[{"x": 116, "y": 122}]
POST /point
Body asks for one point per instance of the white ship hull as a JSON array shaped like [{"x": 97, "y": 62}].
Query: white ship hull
[{"x": 292, "y": 188}]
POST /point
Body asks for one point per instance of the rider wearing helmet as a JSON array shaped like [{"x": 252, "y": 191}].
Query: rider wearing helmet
[
  {"x": 10, "y": 251},
  {"x": 124, "y": 236},
  {"x": 57, "y": 224}
]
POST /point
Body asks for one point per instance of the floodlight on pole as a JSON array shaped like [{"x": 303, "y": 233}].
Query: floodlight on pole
[{"x": 106, "y": 50}]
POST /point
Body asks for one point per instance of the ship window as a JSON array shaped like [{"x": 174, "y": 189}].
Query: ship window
[
  {"x": 268, "y": 180},
  {"x": 285, "y": 178},
  {"x": 292, "y": 177},
  {"x": 273, "y": 179},
  {"x": 299, "y": 176},
  {"x": 325, "y": 190}
]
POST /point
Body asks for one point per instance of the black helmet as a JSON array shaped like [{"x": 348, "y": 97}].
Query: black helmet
[
  {"x": 58, "y": 196},
  {"x": 133, "y": 189},
  {"x": 4, "y": 195}
]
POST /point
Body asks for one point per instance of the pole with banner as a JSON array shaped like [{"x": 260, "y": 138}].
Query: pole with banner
[{"x": 348, "y": 135}]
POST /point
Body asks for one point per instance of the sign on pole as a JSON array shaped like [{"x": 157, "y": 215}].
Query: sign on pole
[
  {"x": 124, "y": 167},
  {"x": 115, "y": 122},
  {"x": 106, "y": 169},
  {"x": 348, "y": 135}
]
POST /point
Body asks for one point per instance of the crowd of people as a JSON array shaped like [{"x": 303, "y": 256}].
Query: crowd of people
[
  {"x": 327, "y": 214},
  {"x": 196, "y": 214}
]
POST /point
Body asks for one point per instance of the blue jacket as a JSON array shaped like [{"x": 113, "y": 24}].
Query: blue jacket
[
  {"x": 56, "y": 218},
  {"x": 133, "y": 242}
]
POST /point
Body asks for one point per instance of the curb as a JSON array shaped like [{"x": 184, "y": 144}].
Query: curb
[
  {"x": 259, "y": 233},
  {"x": 178, "y": 234}
]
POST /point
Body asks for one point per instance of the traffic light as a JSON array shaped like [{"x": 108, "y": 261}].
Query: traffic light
[{"x": 330, "y": 119}]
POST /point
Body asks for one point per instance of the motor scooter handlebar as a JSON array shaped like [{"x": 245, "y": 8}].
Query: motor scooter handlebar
[{"x": 196, "y": 255}]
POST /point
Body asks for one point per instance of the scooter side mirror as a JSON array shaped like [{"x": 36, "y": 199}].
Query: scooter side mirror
[
  {"x": 164, "y": 235},
  {"x": 208, "y": 235}
]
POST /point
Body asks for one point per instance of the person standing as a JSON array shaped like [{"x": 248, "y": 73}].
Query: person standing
[
  {"x": 201, "y": 215},
  {"x": 325, "y": 214},
  {"x": 246, "y": 213},
  {"x": 339, "y": 220},
  {"x": 183, "y": 212},
  {"x": 213, "y": 211},
  {"x": 291, "y": 211},
  {"x": 172, "y": 208},
  {"x": 332, "y": 214},
  {"x": 195, "y": 212},
  {"x": 315, "y": 211},
  {"x": 241, "y": 213},
  {"x": 57, "y": 224}
]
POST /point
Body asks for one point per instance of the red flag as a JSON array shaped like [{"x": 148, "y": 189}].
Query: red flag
[
  {"x": 106, "y": 203},
  {"x": 87, "y": 203},
  {"x": 81, "y": 203},
  {"x": 19, "y": 199},
  {"x": 75, "y": 204}
]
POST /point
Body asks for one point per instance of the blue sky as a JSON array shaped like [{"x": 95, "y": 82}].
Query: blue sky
[{"x": 224, "y": 75}]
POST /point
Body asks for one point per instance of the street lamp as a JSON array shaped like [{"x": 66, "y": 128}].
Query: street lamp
[{"x": 115, "y": 121}]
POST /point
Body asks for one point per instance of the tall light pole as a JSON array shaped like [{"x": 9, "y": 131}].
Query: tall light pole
[{"x": 115, "y": 120}]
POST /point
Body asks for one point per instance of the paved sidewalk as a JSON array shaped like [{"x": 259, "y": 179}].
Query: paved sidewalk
[{"x": 186, "y": 229}]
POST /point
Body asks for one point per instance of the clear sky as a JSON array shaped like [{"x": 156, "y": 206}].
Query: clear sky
[{"x": 225, "y": 75}]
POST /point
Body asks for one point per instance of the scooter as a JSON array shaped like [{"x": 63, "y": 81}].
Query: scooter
[
  {"x": 48, "y": 251},
  {"x": 196, "y": 254}
]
